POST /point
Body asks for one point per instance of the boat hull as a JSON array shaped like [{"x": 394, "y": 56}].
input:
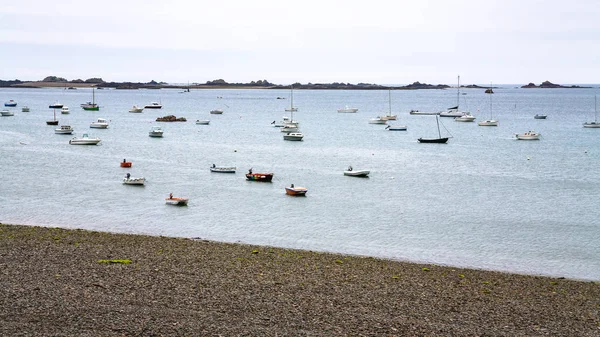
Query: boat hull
[
  {"x": 293, "y": 136},
  {"x": 84, "y": 141},
  {"x": 396, "y": 128},
  {"x": 423, "y": 113},
  {"x": 126, "y": 164},
  {"x": 6, "y": 113},
  {"x": 176, "y": 201},
  {"x": 433, "y": 140},
  {"x": 488, "y": 123},
  {"x": 296, "y": 191},
  {"x": 55, "y": 106},
  {"x": 264, "y": 177},
  {"x": 348, "y": 110},
  {"x": 216, "y": 112},
  {"x": 540, "y": 116},
  {"x": 134, "y": 181},
  {"x": 591, "y": 125},
  {"x": 223, "y": 169},
  {"x": 91, "y": 108},
  {"x": 377, "y": 121},
  {"x": 361, "y": 173}
]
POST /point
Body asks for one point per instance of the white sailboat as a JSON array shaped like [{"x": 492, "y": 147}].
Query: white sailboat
[
  {"x": 291, "y": 108},
  {"x": 455, "y": 111},
  {"x": 491, "y": 121},
  {"x": 595, "y": 123},
  {"x": 389, "y": 116}
]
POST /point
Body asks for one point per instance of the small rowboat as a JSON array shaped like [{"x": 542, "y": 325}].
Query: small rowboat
[
  {"x": 266, "y": 177},
  {"x": 125, "y": 163},
  {"x": 356, "y": 173},
  {"x": 296, "y": 191},
  {"x": 176, "y": 201},
  {"x": 134, "y": 181},
  {"x": 221, "y": 169}
]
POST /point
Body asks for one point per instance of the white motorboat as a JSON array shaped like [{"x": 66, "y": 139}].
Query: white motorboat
[
  {"x": 297, "y": 136},
  {"x": 396, "y": 128},
  {"x": 7, "y": 113},
  {"x": 64, "y": 110},
  {"x": 156, "y": 131},
  {"x": 84, "y": 140},
  {"x": 222, "y": 169},
  {"x": 64, "y": 130},
  {"x": 100, "y": 123},
  {"x": 529, "y": 135},
  {"x": 452, "y": 112},
  {"x": 153, "y": 105},
  {"x": 136, "y": 108},
  {"x": 128, "y": 180},
  {"x": 171, "y": 200},
  {"x": 10, "y": 103},
  {"x": 202, "y": 121},
  {"x": 289, "y": 128},
  {"x": 356, "y": 173},
  {"x": 216, "y": 112},
  {"x": 466, "y": 117},
  {"x": 347, "y": 109},
  {"x": 25, "y": 109},
  {"x": 377, "y": 120}
]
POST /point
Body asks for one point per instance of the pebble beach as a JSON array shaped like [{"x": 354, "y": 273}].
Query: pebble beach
[{"x": 60, "y": 282}]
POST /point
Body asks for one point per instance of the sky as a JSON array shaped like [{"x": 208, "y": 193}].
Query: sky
[{"x": 308, "y": 41}]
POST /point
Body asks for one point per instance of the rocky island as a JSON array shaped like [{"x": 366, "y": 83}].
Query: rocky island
[
  {"x": 548, "y": 84},
  {"x": 171, "y": 118}
]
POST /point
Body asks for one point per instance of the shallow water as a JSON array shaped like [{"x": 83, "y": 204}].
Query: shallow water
[{"x": 484, "y": 200}]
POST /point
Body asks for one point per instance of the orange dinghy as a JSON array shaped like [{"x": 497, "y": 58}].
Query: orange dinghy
[
  {"x": 296, "y": 191},
  {"x": 125, "y": 163},
  {"x": 171, "y": 200}
]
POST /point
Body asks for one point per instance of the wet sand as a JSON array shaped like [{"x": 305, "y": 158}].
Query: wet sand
[{"x": 58, "y": 282}]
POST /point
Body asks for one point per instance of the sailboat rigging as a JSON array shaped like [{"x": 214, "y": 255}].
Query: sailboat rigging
[
  {"x": 491, "y": 121},
  {"x": 389, "y": 116},
  {"x": 91, "y": 106},
  {"x": 291, "y": 108},
  {"x": 595, "y": 123},
  {"x": 440, "y": 139},
  {"x": 53, "y": 121}
]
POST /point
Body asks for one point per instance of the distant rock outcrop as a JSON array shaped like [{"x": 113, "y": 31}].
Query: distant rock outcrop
[
  {"x": 548, "y": 84},
  {"x": 171, "y": 118},
  {"x": 419, "y": 85}
]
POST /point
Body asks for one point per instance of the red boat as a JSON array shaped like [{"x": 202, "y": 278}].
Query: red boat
[
  {"x": 297, "y": 191},
  {"x": 266, "y": 177},
  {"x": 125, "y": 163}
]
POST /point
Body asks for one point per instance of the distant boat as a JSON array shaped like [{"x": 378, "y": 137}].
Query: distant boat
[
  {"x": 156, "y": 131},
  {"x": 455, "y": 111},
  {"x": 297, "y": 136},
  {"x": 136, "y": 108},
  {"x": 439, "y": 140},
  {"x": 91, "y": 106},
  {"x": 64, "y": 110},
  {"x": 291, "y": 108},
  {"x": 64, "y": 130},
  {"x": 10, "y": 103},
  {"x": 396, "y": 128},
  {"x": 537, "y": 116},
  {"x": 7, "y": 113},
  {"x": 491, "y": 121},
  {"x": 153, "y": 105},
  {"x": 216, "y": 112},
  {"x": 54, "y": 121},
  {"x": 296, "y": 191},
  {"x": 595, "y": 123},
  {"x": 100, "y": 123},
  {"x": 489, "y": 91},
  {"x": 128, "y": 180},
  {"x": 222, "y": 169},
  {"x": 428, "y": 113},
  {"x": 171, "y": 200},
  {"x": 389, "y": 116},
  {"x": 377, "y": 120},
  {"x": 347, "y": 109},
  {"x": 202, "y": 121},
  {"x": 529, "y": 135},
  {"x": 125, "y": 163},
  {"x": 356, "y": 173},
  {"x": 264, "y": 177},
  {"x": 55, "y": 106},
  {"x": 466, "y": 117},
  {"x": 25, "y": 109},
  {"x": 84, "y": 140}
]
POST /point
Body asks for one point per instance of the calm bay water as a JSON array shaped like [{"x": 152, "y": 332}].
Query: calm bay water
[{"x": 484, "y": 200}]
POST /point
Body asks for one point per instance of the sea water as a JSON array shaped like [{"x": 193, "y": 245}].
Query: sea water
[{"x": 484, "y": 200}]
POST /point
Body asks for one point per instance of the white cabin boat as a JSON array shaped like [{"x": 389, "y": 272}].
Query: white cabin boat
[
  {"x": 64, "y": 130},
  {"x": 64, "y": 110},
  {"x": 156, "y": 131},
  {"x": 128, "y": 180},
  {"x": 297, "y": 136},
  {"x": 202, "y": 121},
  {"x": 377, "y": 120},
  {"x": 25, "y": 109},
  {"x": 84, "y": 140},
  {"x": 7, "y": 113},
  {"x": 529, "y": 135},
  {"x": 153, "y": 105},
  {"x": 100, "y": 123},
  {"x": 466, "y": 117},
  {"x": 136, "y": 108},
  {"x": 347, "y": 109}
]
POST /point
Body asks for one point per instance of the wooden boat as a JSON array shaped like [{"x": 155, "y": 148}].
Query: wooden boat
[
  {"x": 125, "y": 163},
  {"x": 296, "y": 191},
  {"x": 356, "y": 173},
  {"x": 439, "y": 140},
  {"x": 171, "y": 200},
  {"x": 222, "y": 169},
  {"x": 265, "y": 177}
]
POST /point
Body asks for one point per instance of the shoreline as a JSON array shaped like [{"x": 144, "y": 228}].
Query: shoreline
[{"x": 54, "y": 283}]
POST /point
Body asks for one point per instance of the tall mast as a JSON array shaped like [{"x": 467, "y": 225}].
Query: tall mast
[
  {"x": 458, "y": 94},
  {"x": 491, "y": 111},
  {"x": 438, "y": 126},
  {"x": 390, "y": 99}
]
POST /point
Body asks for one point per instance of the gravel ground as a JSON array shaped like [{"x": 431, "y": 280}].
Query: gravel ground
[{"x": 58, "y": 282}]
